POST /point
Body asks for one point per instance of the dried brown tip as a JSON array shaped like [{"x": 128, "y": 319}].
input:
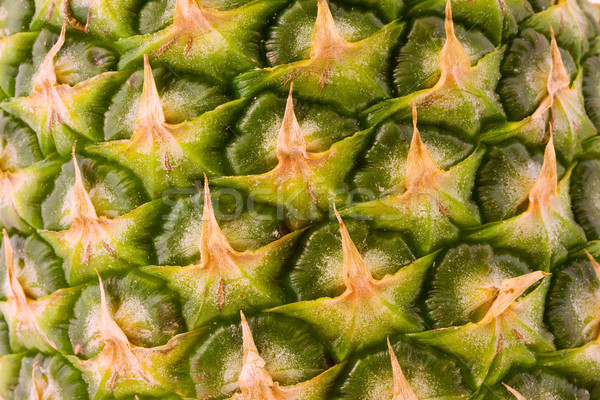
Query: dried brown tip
[
  {"x": 109, "y": 328},
  {"x": 73, "y": 21},
  {"x": 248, "y": 339},
  {"x": 326, "y": 40},
  {"x": 420, "y": 166},
  {"x": 189, "y": 15},
  {"x": 11, "y": 281},
  {"x": 213, "y": 244},
  {"x": 510, "y": 290},
  {"x": 402, "y": 389},
  {"x": 290, "y": 141},
  {"x": 356, "y": 272},
  {"x": 454, "y": 62},
  {"x": 414, "y": 114},
  {"x": 83, "y": 208},
  {"x": 151, "y": 110},
  {"x": 17, "y": 294},
  {"x": 8, "y": 251},
  {"x": 517, "y": 395},
  {"x": 546, "y": 185},
  {"x": 594, "y": 264},
  {"x": 558, "y": 78},
  {"x": 46, "y": 75},
  {"x": 37, "y": 387}
]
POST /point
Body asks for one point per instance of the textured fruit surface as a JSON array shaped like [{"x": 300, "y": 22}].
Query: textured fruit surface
[{"x": 299, "y": 199}]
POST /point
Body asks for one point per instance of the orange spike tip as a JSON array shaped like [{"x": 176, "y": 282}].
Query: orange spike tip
[
  {"x": 558, "y": 78},
  {"x": 356, "y": 274},
  {"x": 517, "y": 395},
  {"x": 546, "y": 185},
  {"x": 454, "y": 62},
  {"x": 402, "y": 389},
  {"x": 510, "y": 290},
  {"x": 421, "y": 168},
  {"x": 594, "y": 264},
  {"x": 290, "y": 141},
  {"x": 326, "y": 41},
  {"x": 215, "y": 249},
  {"x": 82, "y": 207}
]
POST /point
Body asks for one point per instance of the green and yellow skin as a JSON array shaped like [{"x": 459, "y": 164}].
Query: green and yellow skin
[{"x": 299, "y": 199}]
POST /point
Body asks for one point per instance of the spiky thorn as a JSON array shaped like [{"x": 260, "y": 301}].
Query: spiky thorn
[
  {"x": 73, "y": 21},
  {"x": 402, "y": 389},
  {"x": 594, "y": 264},
  {"x": 189, "y": 18},
  {"x": 558, "y": 79},
  {"x": 509, "y": 291},
  {"x": 326, "y": 40},
  {"x": 120, "y": 363},
  {"x": 19, "y": 303},
  {"x": 546, "y": 185},
  {"x": 517, "y": 395},
  {"x": 150, "y": 111},
  {"x": 82, "y": 208},
  {"x": 86, "y": 228},
  {"x": 117, "y": 351},
  {"x": 45, "y": 85},
  {"x": 9, "y": 185},
  {"x": 46, "y": 75},
  {"x": 454, "y": 62},
  {"x": 357, "y": 276},
  {"x": 421, "y": 169},
  {"x": 327, "y": 43},
  {"x": 254, "y": 380},
  {"x": 151, "y": 127},
  {"x": 291, "y": 146},
  {"x": 37, "y": 390},
  {"x": 215, "y": 251}
]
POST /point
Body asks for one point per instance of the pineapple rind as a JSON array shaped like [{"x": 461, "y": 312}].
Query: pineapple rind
[{"x": 490, "y": 92}]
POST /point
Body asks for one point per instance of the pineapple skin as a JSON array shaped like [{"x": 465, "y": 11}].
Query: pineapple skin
[{"x": 308, "y": 200}]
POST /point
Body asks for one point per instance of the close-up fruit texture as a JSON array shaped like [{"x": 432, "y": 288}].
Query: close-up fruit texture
[{"x": 299, "y": 199}]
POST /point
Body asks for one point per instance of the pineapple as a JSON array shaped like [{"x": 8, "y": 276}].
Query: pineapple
[{"x": 299, "y": 200}]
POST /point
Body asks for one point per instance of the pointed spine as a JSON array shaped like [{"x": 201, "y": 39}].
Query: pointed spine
[
  {"x": 150, "y": 110},
  {"x": 190, "y": 16},
  {"x": 214, "y": 246},
  {"x": 122, "y": 360},
  {"x": 546, "y": 185},
  {"x": 109, "y": 330},
  {"x": 16, "y": 293},
  {"x": 558, "y": 78},
  {"x": 356, "y": 274},
  {"x": 83, "y": 208},
  {"x": 12, "y": 283},
  {"x": 510, "y": 290},
  {"x": 454, "y": 62},
  {"x": 254, "y": 380},
  {"x": 46, "y": 76},
  {"x": 290, "y": 141},
  {"x": 512, "y": 391},
  {"x": 326, "y": 40},
  {"x": 402, "y": 389},
  {"x": 37, "y": 391},
  {"x": 594, "y": 263},
  {"x": 151, "y": 128},
  {"x": 420, "y": 166}
]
